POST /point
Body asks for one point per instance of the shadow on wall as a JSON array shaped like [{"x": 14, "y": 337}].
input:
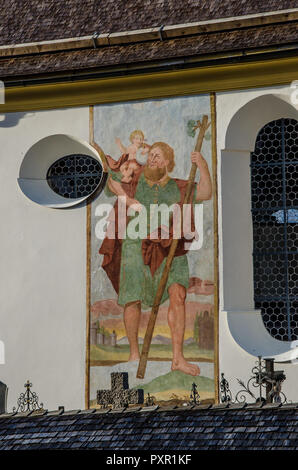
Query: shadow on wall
[
  {"x": 2, "y": 352},
  {"x": 11, "y": 119}
]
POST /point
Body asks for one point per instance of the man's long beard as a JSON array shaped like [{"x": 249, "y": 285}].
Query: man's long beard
[{"x": 154, "y": 174}]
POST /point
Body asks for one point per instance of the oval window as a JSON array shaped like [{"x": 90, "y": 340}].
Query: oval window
[{"x": 75, "y": 176}]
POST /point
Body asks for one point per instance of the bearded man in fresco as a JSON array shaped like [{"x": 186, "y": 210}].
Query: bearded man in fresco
[{"x": 135, "y": 266}]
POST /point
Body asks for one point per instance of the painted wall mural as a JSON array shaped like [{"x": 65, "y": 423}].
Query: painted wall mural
[{"x": 151, "y": 147}]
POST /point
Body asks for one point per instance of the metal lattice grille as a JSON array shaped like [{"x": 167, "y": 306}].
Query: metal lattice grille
[
  {"x": 74, "y": 176},
  {"x": 274, "y": 185}
]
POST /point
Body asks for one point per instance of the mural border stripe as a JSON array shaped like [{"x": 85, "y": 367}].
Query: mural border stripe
[
  {"x": 215, "y": 247},
  {"x": 88, "y": 273}
]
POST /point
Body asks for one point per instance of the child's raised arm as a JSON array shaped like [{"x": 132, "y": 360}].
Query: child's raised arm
[{"x": 120, "y": 145}]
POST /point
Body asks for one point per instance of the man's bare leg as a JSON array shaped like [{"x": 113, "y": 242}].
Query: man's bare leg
[
  {"x": 176, "y": 319},
  {"x": 132, "y": 315}
]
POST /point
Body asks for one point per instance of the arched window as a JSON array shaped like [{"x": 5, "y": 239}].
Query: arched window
[{"x": 274, "y": 196}]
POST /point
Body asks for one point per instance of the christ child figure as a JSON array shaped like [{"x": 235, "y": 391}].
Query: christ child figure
[
  {"x": 128, "y": 164},
  {"x": 123, "y": 173}
]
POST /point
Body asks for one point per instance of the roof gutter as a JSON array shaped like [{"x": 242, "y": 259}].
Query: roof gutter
[{"x": 152, "y": 34}]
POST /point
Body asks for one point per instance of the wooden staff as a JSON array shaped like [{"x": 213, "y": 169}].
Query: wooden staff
[{"x": 203, "y": 126}]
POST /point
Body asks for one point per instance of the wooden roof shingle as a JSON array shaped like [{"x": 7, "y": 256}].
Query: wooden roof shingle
[
  {"x": 206, "y": 428},
  {"x": 31, "y": 21}
]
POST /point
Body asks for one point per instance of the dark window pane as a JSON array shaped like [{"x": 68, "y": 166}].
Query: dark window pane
[
  {"x": 74, "y": 176},
  {"x": 274, "y": 185}
]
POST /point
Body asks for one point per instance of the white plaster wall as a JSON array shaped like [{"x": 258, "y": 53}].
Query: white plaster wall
[
  {"x": 237, "y": 243},
  {"x": 234, "y": 269},
  {"x": 42, "y": 272}
]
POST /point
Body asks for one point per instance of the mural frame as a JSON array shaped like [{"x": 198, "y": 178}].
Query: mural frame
[{"x": 212, "y": 97}]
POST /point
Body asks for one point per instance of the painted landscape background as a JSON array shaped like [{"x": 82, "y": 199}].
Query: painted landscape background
[{"x": 160, "y": 120}]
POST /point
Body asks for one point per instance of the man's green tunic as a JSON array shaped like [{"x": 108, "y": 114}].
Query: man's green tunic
[{"x": 136, "y": 280}]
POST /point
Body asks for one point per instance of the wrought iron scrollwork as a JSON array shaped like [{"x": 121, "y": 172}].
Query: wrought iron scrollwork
[
  {"x": 225, "y": 392},
  {"x": 264, "y": 386},
  {"x": 257, "y": 381},
  {"x": 194, "y": 395},
  {"x": 150, "y": 400},
  {"x": 28, "y": 401}
]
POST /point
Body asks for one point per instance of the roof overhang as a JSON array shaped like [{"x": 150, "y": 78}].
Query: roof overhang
[{"x": 151, "y": 34}]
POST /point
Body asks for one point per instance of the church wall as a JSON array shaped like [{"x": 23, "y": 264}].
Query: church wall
[
  {"x": 43, "y": 258},
  {"x": 42, "y": 271}
]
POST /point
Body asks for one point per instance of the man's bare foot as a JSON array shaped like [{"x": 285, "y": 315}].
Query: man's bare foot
[
  {"x": 185, "y": 367},
  {"x": 134, "y": 357}
]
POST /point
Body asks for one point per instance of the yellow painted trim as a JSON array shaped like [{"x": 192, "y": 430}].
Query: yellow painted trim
[
  {"x": 88, "y": 275},
  {"x": 154, "y": 85},
  {"x": 215, "y": 246}
]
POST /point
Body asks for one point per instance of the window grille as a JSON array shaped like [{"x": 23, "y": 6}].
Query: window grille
[
  {"x": 274, "y": 197},
  {"x": 75, "y": 176}
]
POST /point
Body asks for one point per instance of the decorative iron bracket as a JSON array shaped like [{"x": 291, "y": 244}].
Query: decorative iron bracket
[
  {"x": 27, "y": 401},
  {"x": 266, "y": 382},
  {"x": 150, "y": 400},
  {"x": 194, "y": 395}
]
